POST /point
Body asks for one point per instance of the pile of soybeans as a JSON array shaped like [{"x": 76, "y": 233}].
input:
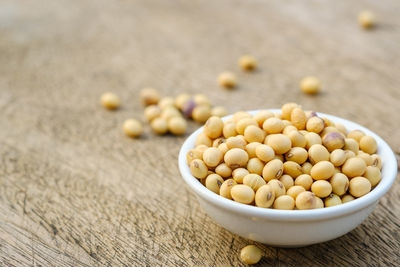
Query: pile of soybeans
[{"x": 289, "y": 160}]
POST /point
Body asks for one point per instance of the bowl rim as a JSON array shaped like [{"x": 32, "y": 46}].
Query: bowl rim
[{"x": 389, "y": 173}]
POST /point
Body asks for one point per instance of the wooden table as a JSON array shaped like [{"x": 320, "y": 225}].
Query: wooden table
[{"x": 74, "y": 191}]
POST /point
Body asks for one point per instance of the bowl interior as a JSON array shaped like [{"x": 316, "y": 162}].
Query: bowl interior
[{"x": 389, "y": 172}]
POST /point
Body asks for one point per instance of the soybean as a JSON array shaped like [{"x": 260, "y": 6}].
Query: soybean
[
  {"x": 273, "y": 170},
  {"x": 181, "y": 99},
  {"x": 201, "y": 99},
  {"x": 193, "y": 154},
  {"x": 354, "y": 167},
  {"x": 347, "y": 198},
  {"x": 333, "y": 140},
  {"x": 198, "y": 168},
  {"x": 341, "y": 128},
  {"x": 247, "y": 62},
  {"x": 236, "y": 158},
  {"x": 242, "y": 124},
  {"x": 323, "y": 170},
  {"x": 218, "y": 141},
  {"x": 321, "y": 188},
  {"x": 368, "y": 144},
  {"x": 310, "y": 85},
  {"x": 319, "y": 203},
  {"x": 242, "y": 193},
  {"x": 373, "y": 174},
  {"x": 240, "y": 115},
  {"x": 317, "y": 153},
  {"x": 359, "y": 186},
  {"x": 254, "y": 181},
  {"x": 226, "y": 187},
  {"x": 262, "y": 116},
  {"x": 132, "y": 128},
  {"x": 292, "y": 168},
  {"x": 212, "y": 156},
  {"x": 229, "y": 130},
  {"x": 366, "y": 19},
  {"x": 330, "y": 129},
  {"x": 203, "y": 139},
  {"x": 250, "y": 254},
  {"x": 227, "y": 79},
  {"x": 376, "y": 161},
  {"x": 214, "y": 182},
  {"x": 349, "y": 154},
  {"x": 332, "y": 200},
  {"x": 265, "y": 152},
  {"x": 366, "y": 157},
  {"x": 327, "y": 122},
  {"x": 177, "y": 125},
  {"x": 170, "y": 112},
  {"x": 213, "y": 127},
  {"x": 351, "y": 144},
  {"x": 151, "y": 112},
  {"x": 201, "y": 113},
  {"x": 236, "y": 142},
  {"x": 223, "y": 147},
  {"x": 312, "y": 139},
  {"x": 340, "y": 184},
  {"x": 278, "y": 187},
  {"x": 251, "y": 149},
  {"x": 297, "y": 139},
  {"x": 273, "y": 125},
  {"x": 265, "y": 196},
  {"x": 188, "y": 107},
  {"x": 254, "y": 134},
  {"x": 201, "y": 148},
  {"x": 298, "y": 118},
  {"x": 254, "y": 165},
  {"x": 218, "y": 111},
  {"x": 149, "y": 96},
  {"x": 356, "y": 135},
  {"x": 279, "y": 143},
  {"x": 297, "y": 154},
  {"x": 338, "y": 157},
  {"x": 166, "y": 102},
  {"x": 287, "y": 110},
  {"x": 306, "y": 200},
  {"x": 223, "y": 170},
  {"x": 315, "y": 124},
  {"x": 110, "y": 101},
  {"x": 238, "y": 174},
  {"x": 289, "y": 129},
  {"x": 287, "y": 181},
  {"x": 306, "y": 167},
  {"x": 284, "y": 202},
  {"x": 294, "y": 191},
  {"x": 304, "y": 180}
]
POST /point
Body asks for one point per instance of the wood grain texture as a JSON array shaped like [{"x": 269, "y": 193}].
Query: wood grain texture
[{"x": 74, "y": 191}]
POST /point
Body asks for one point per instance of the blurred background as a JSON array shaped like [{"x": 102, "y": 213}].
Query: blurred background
[{"x": 75, "y": 50}]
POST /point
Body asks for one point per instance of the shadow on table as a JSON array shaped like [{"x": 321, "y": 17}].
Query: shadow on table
[{"x": 364, "y": 246}]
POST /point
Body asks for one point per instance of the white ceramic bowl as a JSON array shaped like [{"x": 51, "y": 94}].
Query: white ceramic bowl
[{"x": 291, "y": 228}]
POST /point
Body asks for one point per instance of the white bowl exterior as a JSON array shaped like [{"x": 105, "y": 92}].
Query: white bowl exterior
[
  {"x": 294, "y": 227},
  {"x": 282, "y": 233}
]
